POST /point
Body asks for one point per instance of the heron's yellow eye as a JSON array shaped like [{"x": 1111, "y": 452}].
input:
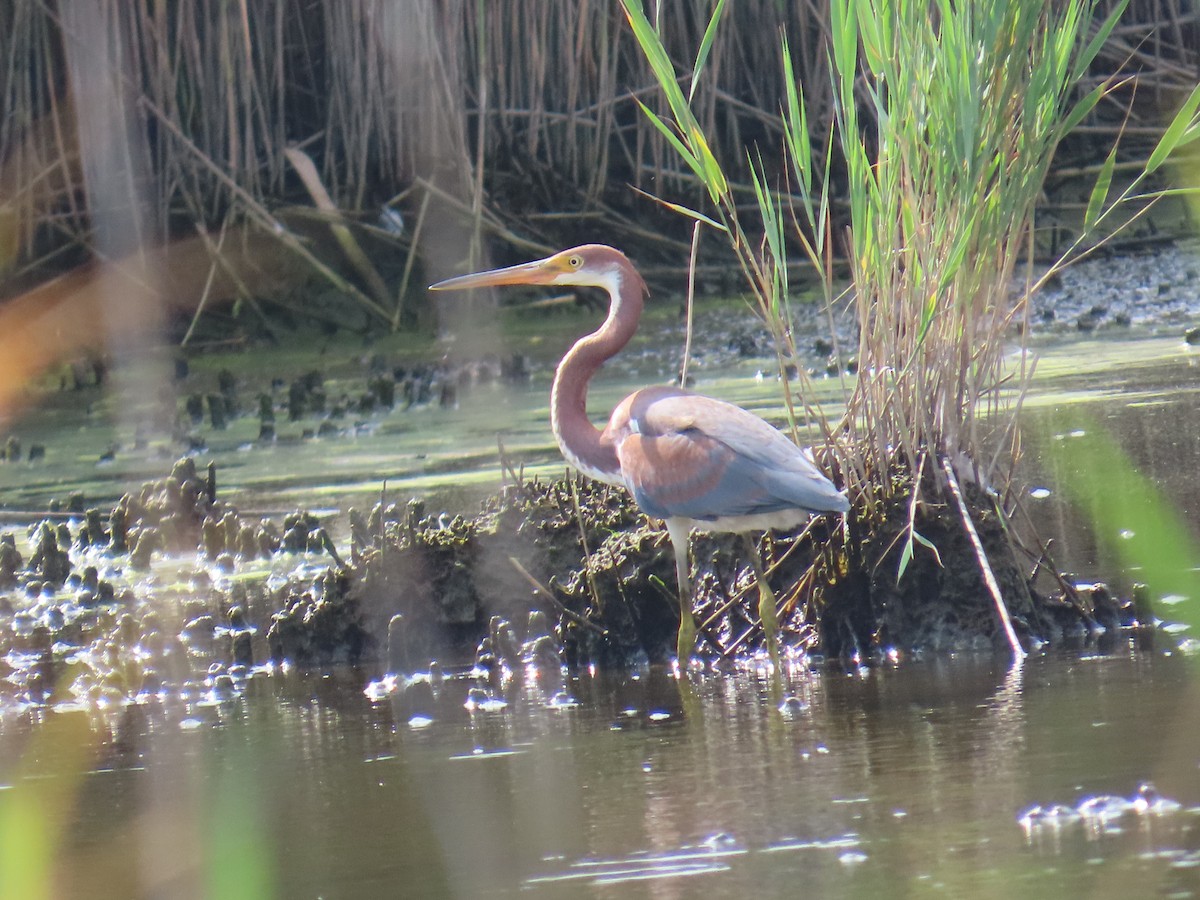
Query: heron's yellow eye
[{"x": 576, "y": 261}]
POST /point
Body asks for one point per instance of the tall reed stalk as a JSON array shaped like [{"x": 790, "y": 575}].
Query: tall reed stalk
[
  {"x": 968, "y": 104},
  {"x": 947, "y": 117}
]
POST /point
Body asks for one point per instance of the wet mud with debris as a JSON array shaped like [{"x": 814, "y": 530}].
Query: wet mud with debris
[{"x": 173, "y": 588}]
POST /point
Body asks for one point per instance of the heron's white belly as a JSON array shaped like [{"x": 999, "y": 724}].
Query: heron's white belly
[{"x": 784, "y": 520}]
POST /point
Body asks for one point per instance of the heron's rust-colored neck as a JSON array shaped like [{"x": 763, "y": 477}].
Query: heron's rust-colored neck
[{"x": 580, "y": 441}]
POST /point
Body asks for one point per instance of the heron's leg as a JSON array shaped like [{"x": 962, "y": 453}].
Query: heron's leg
[
  {"x": 766, "y": 601},
  {"x": 685, "y": 643}
]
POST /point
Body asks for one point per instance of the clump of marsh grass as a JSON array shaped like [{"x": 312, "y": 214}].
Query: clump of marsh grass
[
  {"x": 947, "y": 118},
  {"x": 968, "y": 105}
]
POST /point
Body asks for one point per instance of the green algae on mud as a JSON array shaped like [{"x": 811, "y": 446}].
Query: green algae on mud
[
  {"x": 449, "y": 455},
  {"x": 99, "y": 440},
  {"x": 95, "y": 443}
]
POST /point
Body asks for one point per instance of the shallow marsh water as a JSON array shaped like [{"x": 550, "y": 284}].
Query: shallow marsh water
[{"x": 891, "y": 780}]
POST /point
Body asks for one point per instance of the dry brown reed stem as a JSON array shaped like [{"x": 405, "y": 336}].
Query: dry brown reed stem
[
  {"x": 215, "y": 251},
  {"x": 985, "y": 567},
  {"x": 304, "y": 167},
  {"x": 597, "y": 597},
  {"x": 402, "y": 291},
  {"x": 540, "y": 588},
  {"x": 690, "y": 301}
]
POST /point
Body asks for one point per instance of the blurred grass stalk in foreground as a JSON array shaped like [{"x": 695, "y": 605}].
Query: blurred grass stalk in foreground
[
  {"x": 36, "y": 807},
  {"x": 1133, "y": 521}
]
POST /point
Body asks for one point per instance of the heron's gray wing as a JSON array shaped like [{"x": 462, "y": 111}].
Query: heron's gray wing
[{"x": 686, "y": 455}]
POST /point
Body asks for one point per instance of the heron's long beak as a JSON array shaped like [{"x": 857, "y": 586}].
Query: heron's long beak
[{"x": 542, "y": 271}]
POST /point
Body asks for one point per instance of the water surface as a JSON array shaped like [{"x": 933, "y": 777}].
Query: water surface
[{"x": 890, "y": 781}]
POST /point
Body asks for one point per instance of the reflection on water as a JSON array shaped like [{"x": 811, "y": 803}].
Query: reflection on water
[{"x": 887, "y": 781}]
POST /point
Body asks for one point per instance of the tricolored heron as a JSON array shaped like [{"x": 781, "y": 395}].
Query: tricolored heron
[{"x": 692, "y": 461}]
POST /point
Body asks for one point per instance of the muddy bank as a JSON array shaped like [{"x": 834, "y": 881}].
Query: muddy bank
[{"x": 173, "y": 586}]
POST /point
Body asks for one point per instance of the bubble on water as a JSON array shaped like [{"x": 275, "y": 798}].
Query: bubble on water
[
  {"x": 792, "y": 706},
  {"x": 1105, "y": 807},
  {"x": 1150, "y": 802},
  {"x": 480, "y": 699},
  {"x": 721, "y": 840},
  {"x": 378, "y": 690},
  {"x": 1056, "y": 815}
]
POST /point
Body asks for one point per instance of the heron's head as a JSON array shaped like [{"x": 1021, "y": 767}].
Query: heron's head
[{"x": 593, "y": 265}]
